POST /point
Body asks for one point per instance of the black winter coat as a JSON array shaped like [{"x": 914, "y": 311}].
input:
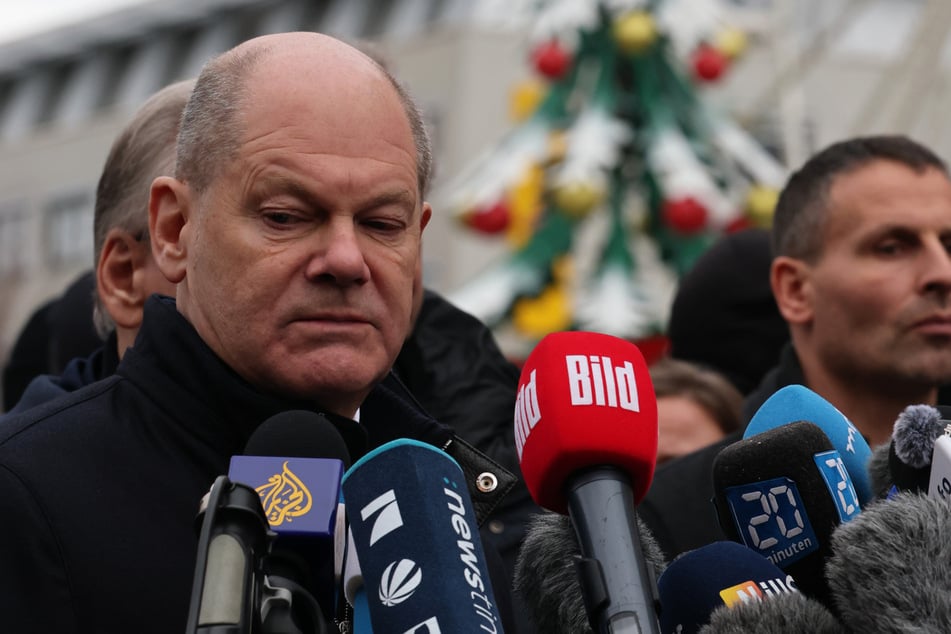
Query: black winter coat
[{"x": 99, "y": 489}]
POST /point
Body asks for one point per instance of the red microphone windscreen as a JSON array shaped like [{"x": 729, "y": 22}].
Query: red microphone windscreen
[{"x": 584, "y": 400}]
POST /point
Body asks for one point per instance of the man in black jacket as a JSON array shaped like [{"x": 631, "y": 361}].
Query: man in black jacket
[
  {"x": 292, "y": 230},
  {"x": 125, "y": 272},
  {"x": 862, "y": 275}
]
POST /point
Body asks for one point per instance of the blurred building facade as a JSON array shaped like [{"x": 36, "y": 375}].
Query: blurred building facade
[{"x": 816, "y": 71}]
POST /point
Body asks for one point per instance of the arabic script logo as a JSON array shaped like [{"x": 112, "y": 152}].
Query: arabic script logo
[{"x": 284, "y": 497}]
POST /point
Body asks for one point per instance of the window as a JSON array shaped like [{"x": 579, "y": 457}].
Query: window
[
  {"x": 69, "y": 220},
  {"x": 14, "y": 236}
]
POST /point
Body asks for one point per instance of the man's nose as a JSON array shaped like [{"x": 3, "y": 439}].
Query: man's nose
[
  {"x": 936, "y": 272},
  {"x": 338, "y": 254}
]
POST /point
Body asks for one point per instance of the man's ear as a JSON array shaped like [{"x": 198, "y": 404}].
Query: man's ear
[
  {"x": 427, "y": 213},
  {"x": 118, "y": 277},
  {"x": 169, "y": 215},
  {"x": 791, "y": 282}
]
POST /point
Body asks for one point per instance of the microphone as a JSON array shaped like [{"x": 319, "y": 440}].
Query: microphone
[
  {"x": 295, "y": 461},
  {"x": 265, "y": 530},
  {"x": 787, "y": 612},
  {"x": 354, "y": 590},
  {"x": 879, "y": 473},
  {"x": 906, "y": 462},
  {"x": 417, "y": 542},
  {"x": 798, "y": 403},
  {"x": 939, "y": 486},
  {"x": 233, "y": 539},
  {"x": 889, "y": 571},
  {"x": 546, "y": 577},
  {"x": 586, "y": 437},
  {"x": 719, "y": 574},
  {"x": 781, "y": 493},
  {"x": 912, "y": 446}
]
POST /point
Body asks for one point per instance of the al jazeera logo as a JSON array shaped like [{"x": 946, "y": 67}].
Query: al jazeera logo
[{"x": 284, "y": 497}]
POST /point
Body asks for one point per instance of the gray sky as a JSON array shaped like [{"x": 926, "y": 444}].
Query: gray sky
[{"x": 22, "y": 18}]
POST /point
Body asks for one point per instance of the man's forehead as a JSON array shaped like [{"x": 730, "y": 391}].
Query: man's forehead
[{"x": 886, "y": 195}]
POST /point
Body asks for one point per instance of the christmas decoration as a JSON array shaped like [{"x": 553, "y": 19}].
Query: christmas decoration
[
  {"x": 617, "y": 175},
  {"x": 760, "y": 203},
  {"x": 635, "y": 32},
  {"x": 525, "y": 99},
  {"x": 731, "y": 42},
  {"x": 495, "y": 219},
  {"x": 685, "y": 215},
  {"x": 551, "y": 59},
  {"x": 709, "y": 63}
]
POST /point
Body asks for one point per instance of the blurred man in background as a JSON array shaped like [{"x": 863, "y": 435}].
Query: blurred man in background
[
  {"x": 125, "y": 273},
  {"x": 862, "y": 275}
]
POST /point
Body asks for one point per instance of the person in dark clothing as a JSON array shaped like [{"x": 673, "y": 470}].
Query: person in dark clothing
[
  {"x": 60, "y": 330},
  {"x": 29, "y": 356},
  {"x": 862, "y": 275},
  {"x": 292, "y": 229},
  {"x": 72, "y": 335},
  {"x": 724, "y": 316},
  {"x": 79, "y": 372},
  {"x": 125, "y": 274},
  {"x": 450, "y": 362}
]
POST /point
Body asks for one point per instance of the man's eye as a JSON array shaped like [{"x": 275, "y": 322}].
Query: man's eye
[
  {"x": 279, "y": 218},
  {"x": 387, "y": 226},
  {"x": 889, "y": 248}
]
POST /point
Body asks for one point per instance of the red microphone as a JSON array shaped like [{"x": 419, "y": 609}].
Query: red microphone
[
  {"x": 586, "y": 436},
  {"x": 584, "y": 399}
]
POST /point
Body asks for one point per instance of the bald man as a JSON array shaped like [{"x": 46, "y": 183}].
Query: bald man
[{"x": 291, "y": 231}]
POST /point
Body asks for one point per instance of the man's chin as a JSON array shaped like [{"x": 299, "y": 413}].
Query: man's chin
[{"x": 929, "y": 369}]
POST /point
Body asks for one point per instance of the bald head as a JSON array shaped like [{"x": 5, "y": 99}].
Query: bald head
[{"x": 267, "y": 68}]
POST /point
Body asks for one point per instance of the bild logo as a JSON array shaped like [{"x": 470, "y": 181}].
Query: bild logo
[
  {"x": 399, "y": 581},
  {"x": 594, "y": 380}
]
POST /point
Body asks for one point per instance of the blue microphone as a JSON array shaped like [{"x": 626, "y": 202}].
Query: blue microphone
[
  {"x": 798, "y": 403},
  {"x": 718, "y": 574},
  {"x": 417, "y": 542}
]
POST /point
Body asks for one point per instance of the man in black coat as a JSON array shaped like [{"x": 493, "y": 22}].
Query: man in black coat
[
  {"x": 862, "y": 275},
  {"x": 292, "y": 230}
]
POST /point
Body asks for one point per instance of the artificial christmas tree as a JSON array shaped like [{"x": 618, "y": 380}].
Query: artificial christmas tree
[{"x": 617, "y": 175}]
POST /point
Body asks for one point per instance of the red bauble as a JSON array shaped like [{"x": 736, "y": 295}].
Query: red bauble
[
  {"x": 685, "y": 215},
  {"x": 491, "y": 220},
  {"x": 738, "y": 224},
  {"x": 709, "y": 64},
  {"x": 551, "y": 59}
]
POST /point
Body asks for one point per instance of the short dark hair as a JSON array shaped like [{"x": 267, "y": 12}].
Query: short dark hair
[{"x": 801, "y": 210}]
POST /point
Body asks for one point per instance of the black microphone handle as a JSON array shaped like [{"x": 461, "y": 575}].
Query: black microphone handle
[
  {"x": 619, "y": 588},
  {"x": 234, "y": 537}
]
